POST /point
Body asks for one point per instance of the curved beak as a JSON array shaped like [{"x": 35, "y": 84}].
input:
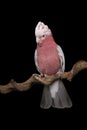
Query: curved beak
[{"x": 37, "y": 39}]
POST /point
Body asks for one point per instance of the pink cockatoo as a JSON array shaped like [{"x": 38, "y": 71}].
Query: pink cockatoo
[{"x": 49, "y": 59}]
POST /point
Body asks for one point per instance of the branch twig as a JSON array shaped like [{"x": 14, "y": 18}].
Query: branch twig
[{"x": 77, "y": 67}]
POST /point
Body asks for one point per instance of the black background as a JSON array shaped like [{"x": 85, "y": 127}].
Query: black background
[{"x": 17, "y": 46}]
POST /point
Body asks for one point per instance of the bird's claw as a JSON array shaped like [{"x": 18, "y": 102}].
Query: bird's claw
[{"x": 36, "y": 75}]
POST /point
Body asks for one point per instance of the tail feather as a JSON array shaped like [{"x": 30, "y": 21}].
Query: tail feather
[
  {"x": 61, "y": 99},
  {"x": 46, "y": 100},
  {"x": 55, "y": 96}
]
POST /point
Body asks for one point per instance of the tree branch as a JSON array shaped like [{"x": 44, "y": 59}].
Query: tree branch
[{"x": 77, "y": 67}]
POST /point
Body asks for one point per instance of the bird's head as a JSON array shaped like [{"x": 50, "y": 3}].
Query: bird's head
[{"x": 41, "y": 32}]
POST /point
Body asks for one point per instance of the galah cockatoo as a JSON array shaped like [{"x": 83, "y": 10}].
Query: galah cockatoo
[{"x": 49, "y": 60}]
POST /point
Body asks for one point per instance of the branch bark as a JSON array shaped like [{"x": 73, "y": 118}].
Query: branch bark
[{"x": 77, "y": 67}]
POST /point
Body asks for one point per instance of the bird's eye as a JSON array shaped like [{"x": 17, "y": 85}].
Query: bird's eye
[{"x": 43, "y": 35}]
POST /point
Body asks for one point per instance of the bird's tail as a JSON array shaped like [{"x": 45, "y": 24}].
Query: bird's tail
[{"x": 56, "y": 96}]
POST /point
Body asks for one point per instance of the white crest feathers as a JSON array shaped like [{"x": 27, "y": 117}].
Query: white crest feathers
[{"x": 42, "y": 29}]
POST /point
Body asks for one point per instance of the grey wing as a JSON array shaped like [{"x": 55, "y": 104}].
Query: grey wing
[
  {"x": 35, "y": 59},
  {"x": 62, "y": 58}
]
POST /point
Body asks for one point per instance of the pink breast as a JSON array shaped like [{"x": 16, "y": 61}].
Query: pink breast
[{"x": 48, "y": 59}]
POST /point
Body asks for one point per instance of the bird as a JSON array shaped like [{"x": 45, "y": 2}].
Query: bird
[{"x": 49, "y": 59}]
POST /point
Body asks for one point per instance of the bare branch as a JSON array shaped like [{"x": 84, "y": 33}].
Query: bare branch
[{"x": 77, "y": 67}]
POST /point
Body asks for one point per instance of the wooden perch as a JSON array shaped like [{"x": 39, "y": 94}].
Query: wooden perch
[{"x": 77, "y": 67}]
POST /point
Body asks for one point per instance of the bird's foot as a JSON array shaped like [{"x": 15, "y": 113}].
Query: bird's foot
[{"x": 37, "y": 75}]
